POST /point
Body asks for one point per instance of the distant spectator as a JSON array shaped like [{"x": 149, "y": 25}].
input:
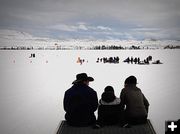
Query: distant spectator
[
  {"x": 138, "y": 60},
  {"x": 135, "y": 60},
  {"x": 132, "y": 60},
  {"x": 127, "y": 60}
]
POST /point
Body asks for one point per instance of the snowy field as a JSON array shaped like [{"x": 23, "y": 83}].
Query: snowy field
[{"x": 32, "y": 89}]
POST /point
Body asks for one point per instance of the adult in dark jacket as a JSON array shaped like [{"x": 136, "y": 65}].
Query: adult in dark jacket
[
  {"x": 80, "y": 102},
  {"x": 109, "y": 110},
  {"x": 135, "y": 103}
]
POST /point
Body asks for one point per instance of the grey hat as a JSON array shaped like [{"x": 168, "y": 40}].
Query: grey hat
[{"x": 82, "y": 77}]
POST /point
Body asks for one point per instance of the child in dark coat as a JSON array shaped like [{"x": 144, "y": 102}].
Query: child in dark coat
[{"x": 109, "y": 110}]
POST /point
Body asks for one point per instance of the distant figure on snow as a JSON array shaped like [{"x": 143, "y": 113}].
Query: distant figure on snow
[
  {"x": 135, "y": 60},
  {"x": 127, "y": 60},
  {"x": 79, "y": 60},
  {"x": 135, "y": 103},
  {"x": 80, "y": 102},
  {"x": 138, "y": 60},
  {"x": 157, "y": 62},
  {"x": 32, "y": 55},
  {"x": 132, "y": 60}
]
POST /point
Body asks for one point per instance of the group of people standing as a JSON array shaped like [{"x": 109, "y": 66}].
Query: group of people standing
[
  {"x": 137, "y": 60},
  {"x": 108, "y": 60},
  {"x": 81, "y": 101},
  {"x": 80, "y": 61}
]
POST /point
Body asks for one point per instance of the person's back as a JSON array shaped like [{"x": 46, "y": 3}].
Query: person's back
[
  {"x": 80, "y": 103},
  {"x": 134, "y": 101},
  {"x": 109, "y": 110},
  {"x": 136, "y": 105}
]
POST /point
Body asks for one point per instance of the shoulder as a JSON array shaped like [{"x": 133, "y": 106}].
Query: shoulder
[
  {"x": 138, "y": 89},
  {"x": 123, "y": 91},
  {"x": 90, "y": 89},
  {"x": 72, "y": 89}
]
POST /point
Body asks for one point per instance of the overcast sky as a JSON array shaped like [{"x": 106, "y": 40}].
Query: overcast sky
[{"x": 93, "y": 19}]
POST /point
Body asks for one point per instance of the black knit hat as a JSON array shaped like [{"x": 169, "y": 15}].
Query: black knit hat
[
  {"x": 108, "y": 94},
  {"x": 131, "y": 80},
  {"x": 108, "y": 97},
  {"x": 109, "y": 89}
]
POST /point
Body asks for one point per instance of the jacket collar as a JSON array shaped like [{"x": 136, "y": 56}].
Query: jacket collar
[{"x": 115, "y": 102}]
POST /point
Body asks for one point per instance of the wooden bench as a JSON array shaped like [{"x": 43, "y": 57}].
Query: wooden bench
[{"x": 146, "y": 128}]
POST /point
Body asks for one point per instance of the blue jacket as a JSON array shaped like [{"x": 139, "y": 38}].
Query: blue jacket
[{"x": 80, "y": 103}]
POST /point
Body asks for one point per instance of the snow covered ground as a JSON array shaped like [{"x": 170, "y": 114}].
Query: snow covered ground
[{"x": 32, "y": 89}]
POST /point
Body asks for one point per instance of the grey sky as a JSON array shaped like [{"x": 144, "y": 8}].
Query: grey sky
[{"x": 107, "y": 19}]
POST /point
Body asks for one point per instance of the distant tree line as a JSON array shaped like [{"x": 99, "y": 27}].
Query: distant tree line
[
  {"x": 112, "y": 47},
  {"x": 171, "y": 47},
  {"x": 97, "y": 47}
]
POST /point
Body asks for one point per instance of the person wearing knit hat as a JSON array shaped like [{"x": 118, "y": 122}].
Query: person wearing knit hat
[{"x": 109, "y": 110}]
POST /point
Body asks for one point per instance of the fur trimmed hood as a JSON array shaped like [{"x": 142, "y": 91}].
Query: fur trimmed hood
[{"x": 115, "y": 102}]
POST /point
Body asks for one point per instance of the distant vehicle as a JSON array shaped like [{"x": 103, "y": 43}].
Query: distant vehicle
[{"x": 157, "y": 62}]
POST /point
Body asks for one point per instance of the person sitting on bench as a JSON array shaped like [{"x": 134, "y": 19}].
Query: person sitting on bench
[
  {"x": 109, "y": 110},
  {"x": 134, "y": 102},
  {"x": 80, "y": 102}
]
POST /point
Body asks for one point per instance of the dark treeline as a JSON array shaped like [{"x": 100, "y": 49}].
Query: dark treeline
[
  {"x": 114, "y": 47},
  {"x": 97, "y": 47}
]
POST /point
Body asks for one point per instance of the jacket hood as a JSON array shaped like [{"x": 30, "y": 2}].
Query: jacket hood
[{"x": 115, "y": 102}]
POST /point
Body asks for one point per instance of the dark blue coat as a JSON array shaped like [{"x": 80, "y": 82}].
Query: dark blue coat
[{"x": 80, "y": 103}]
